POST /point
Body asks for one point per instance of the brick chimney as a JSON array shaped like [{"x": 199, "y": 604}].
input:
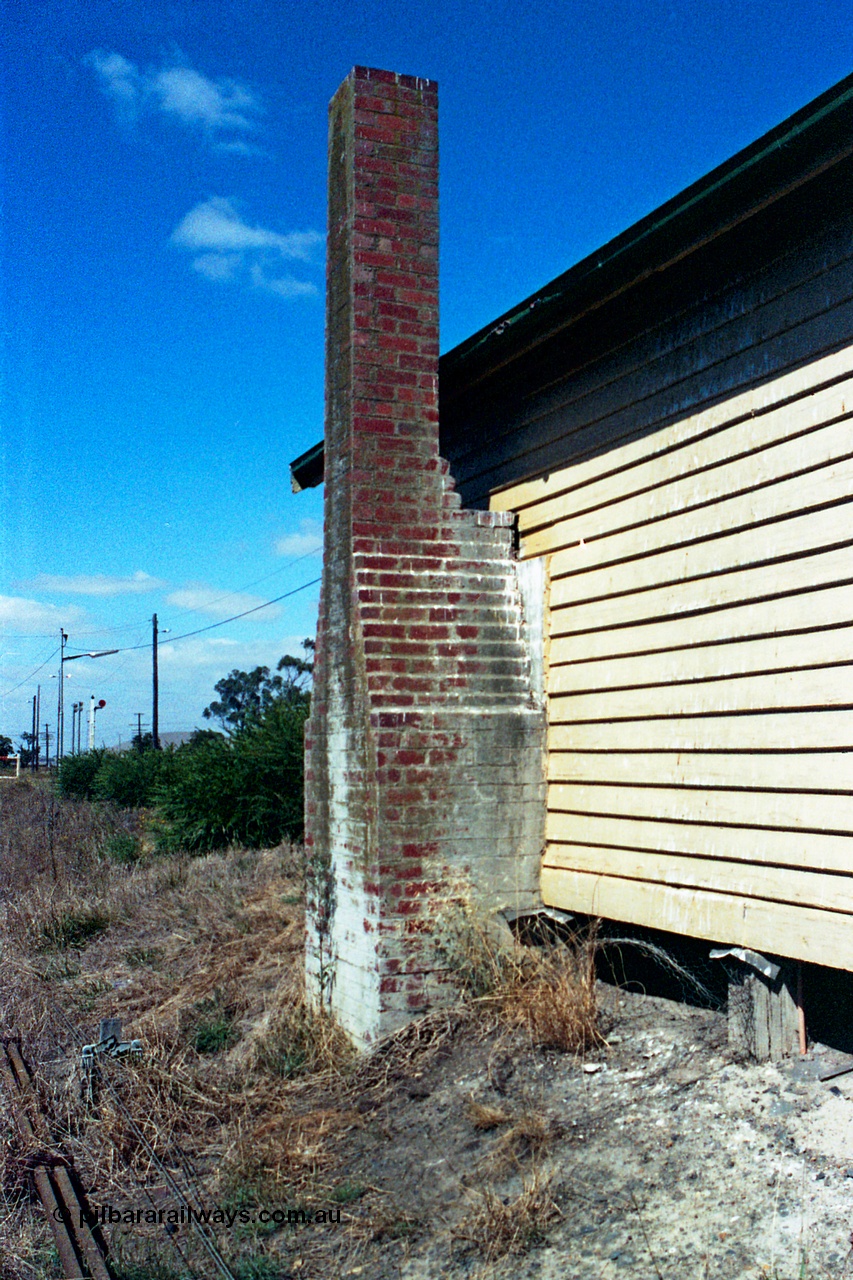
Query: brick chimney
[{"x": 425, "y": 746}]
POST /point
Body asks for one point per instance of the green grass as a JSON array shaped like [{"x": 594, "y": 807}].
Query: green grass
[
  {"x": 215, "y": 1029},
  {"x": 73, "y": 929},
  {"x": 347, "y": 1193},
  {"x": 136, "y": 957}
]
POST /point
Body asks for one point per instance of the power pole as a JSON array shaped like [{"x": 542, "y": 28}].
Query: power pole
[
  {"x": 73, "y": 725},
  {"x": 46, "y": 745},
  {"x": 60, "y": 728},
  {"x": 155, "y": 711},
  {"x": 138, "y": 715},
  {"x": 79, "y": 724},
  {"x": 33, "y": 738},
  {"x": 38, "y": 726}
]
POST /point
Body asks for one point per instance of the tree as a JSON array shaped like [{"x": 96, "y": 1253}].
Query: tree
[
  {"x": 246, "y": 696},
  {"x": 293, "y": 687},
  {"x": 6, "y": 745},
  {"x": 242, "y": 694}
]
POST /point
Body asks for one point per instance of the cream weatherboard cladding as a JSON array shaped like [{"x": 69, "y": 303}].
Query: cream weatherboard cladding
[{"x": 700, "y": 669}]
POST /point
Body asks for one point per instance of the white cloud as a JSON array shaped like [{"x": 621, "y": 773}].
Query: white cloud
[
  {"x": 213, "y": 603},
  {"x": 119, "y": 79},
  {"x": 32, "y": 616},
  {"x": 284, "y": 286},
  {"x": 216, "y": 107},
  {"x": 218, "y": 266},
  {"x": 215, "y": 224},
  {"x": 215, "y": 104},
  {"x": 308, "y": 541},
  {"x": 236, "y": 250},
  {"x": 96, "y": 584}
]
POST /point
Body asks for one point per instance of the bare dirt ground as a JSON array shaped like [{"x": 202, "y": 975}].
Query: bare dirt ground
[
  {"x": 459, "y": 1148},
  {"x": 657, "y": 1157}
]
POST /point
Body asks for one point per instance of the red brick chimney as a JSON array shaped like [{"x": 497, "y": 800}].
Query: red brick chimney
[{"x": 425, "y": 745}]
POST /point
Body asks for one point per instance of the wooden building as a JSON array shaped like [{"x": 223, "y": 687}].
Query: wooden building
[{"x": 670, "y": 424}]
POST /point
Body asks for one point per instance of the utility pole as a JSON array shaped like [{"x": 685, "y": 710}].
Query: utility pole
[
  {"x": 46, "y": 745},
  {"x": 60, "y": 724},
  {"x": 138, "y": 715},
  {"x": 33, "y": 739},
  {"x": 79, "y": 724},
  {"x": 38, "y": 726},
  {"x": 155, "y": 711},
  {"x": 73, "y": 725}
]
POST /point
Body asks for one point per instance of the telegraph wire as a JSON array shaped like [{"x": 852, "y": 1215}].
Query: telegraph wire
[
  {"x": 234, "y": 617},
  {"x": 6, "y": 692},
  {"x": 266, "y": 577}
]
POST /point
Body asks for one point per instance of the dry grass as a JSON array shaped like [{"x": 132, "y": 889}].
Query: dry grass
[
  {"x": 550, "y": 991},
  {"x": 246, "y": 1094},
  {"x": 486, "y": 1117},
  {"x": 202, "y": 960},
  {"x": 510, "y": 1225}
]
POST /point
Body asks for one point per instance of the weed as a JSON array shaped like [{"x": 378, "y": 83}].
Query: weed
[
  {"x": 260, "y": 1267},
  {"x": 215, "y": 1029},
  {"x": 152, "y": 1268},
  {"x": 57, "y": 969},
  {"x": 530, "y": 1135},
  {"x": 484, "y": 1117},
  {"x": 550, "y": 991},
  {"x": 136, "y": 957},
  {"x": 298, "y": 1038},
  {"x": 87, "y": 997},
  {"x": 397, "y": 1228}
]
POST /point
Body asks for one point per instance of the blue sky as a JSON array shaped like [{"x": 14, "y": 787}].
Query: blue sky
[{"x": 163, "y": 274}]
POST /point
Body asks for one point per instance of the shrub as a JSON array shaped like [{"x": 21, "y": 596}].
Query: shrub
[
  {"x": 77, "y": 774},
  {"x": 246, "y": 790},
  {"x": 130, "y": 779},
  {"x": 123, "y": 847}
]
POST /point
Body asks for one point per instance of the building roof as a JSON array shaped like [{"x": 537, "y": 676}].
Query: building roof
[{"x": 798, "y": 150}]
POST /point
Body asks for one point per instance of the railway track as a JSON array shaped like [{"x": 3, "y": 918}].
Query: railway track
[{"x": 80, "y": 1253}]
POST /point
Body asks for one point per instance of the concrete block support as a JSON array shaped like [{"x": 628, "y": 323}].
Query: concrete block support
[{"x": 426, "y": 742}]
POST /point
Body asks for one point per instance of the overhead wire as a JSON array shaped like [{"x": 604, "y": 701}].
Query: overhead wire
[
  {"x": 224, "y": 621},
  {"x": 254, "y": 583},
  {"x": 26, "y": 679},
  {"x": 131, "y": 626}
]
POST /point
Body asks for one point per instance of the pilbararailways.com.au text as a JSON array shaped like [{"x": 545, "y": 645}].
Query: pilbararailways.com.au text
[{"x": 106, "y": 1214}]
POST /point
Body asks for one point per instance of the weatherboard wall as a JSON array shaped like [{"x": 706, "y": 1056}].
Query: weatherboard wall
[{"x": 690, "y": 490}]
